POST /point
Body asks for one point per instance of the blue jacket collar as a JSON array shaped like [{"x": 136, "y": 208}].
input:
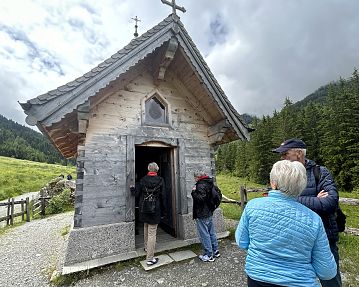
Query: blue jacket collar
[{"x": 279, "y": 194}]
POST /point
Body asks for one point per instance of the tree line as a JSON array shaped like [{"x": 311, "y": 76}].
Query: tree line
[
  {"x": 21, "y": 142},
  {"x": 327, "y": 121}
]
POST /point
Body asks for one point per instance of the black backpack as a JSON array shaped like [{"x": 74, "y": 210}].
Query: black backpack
[
  {"x": 340, "y": 217},
  {"x": 215, "y": 197},
  {"x": 149, "y": 200}
]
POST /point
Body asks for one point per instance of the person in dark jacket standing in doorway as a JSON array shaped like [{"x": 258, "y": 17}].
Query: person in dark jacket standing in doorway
[
  {"x": 203, "y": 216},
  {"x": 150, "y": 193},
  {"x": 321, "y": 197}
]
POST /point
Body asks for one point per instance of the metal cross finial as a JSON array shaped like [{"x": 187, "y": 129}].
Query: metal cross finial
[
  {"x": 174, "y": 6},
  {"x": 136, "y": 20}
]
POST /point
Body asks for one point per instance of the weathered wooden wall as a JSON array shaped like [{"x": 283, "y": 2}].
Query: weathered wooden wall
[{"x": 117, "y": 120}]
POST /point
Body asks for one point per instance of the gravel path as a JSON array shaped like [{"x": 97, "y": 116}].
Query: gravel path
[
  {"x": 31, "y": 252},
  {"x": 225, "y": 271}
]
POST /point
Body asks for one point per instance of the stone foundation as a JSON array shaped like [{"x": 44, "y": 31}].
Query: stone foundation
[{"x": 85, "y": 244}]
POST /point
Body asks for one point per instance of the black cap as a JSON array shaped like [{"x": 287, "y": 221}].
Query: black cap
[{"x": 289, "y": 144}]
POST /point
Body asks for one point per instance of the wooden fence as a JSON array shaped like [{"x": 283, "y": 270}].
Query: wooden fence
[
  {"x": 11, "y": 214},
  {"x": 38, "y": 208},
  {"x": 243, "y": 196}
]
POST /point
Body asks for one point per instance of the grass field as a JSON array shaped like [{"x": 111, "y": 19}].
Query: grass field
[
  {"x": 23, "y": 176},
  {"x": 230, "y": 187},
  {"x": 348, "y": 244}
]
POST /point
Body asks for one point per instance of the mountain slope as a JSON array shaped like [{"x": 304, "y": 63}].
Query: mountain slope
[{"x": 24, "y": 143}]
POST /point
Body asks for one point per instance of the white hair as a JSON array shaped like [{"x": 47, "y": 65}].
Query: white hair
[
  {"x": 153, "y": 167},
  {"x": 290, "y": 177},
  {"x": 199, "y": 173},
  {"x": 303, "y": 150}
]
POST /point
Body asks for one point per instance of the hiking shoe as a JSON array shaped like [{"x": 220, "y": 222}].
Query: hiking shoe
[
  {"x": 217, "y": 254},
  {"x": 152, "y": 261},
  {"x": 206, "y": 258}
]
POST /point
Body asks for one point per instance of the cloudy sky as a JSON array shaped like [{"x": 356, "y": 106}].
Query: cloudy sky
[{"x": 260, "y": 51}]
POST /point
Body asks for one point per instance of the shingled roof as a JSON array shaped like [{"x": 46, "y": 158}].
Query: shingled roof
[{"x": 49, "y": 108}]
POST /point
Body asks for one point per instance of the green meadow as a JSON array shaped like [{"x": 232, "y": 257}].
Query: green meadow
[{"x": 22, "y": 176}]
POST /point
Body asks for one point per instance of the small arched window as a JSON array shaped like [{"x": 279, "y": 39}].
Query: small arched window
[{"x": 155, "y": 111}]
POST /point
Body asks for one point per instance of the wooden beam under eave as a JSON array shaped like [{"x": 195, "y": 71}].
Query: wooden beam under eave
[
  {"x": 217, "y": 139},
  {"x": 219, "y": 127},
  {"x": 163, "y": 60},
  {"x": 66, "y": 141},
  {"x": 69, "y": 154},
  {"x": 68, "y": 147}
]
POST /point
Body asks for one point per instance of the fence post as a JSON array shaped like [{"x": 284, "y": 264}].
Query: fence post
[
  {"x": 27, "y": 207},
  {"x": 8, "y": 212},
  {"x": 43, "y": 207},
  {"x": 12, "y": 211},
  {"x": 22, "y": 210},
  {"x": 243, "y": 195}
]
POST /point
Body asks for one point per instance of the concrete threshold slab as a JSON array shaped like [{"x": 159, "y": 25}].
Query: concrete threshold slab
[
  {"x": 87, "y": 265},
  {"x": 182, "y": 255},
  {"x": 163, "y": 259}
]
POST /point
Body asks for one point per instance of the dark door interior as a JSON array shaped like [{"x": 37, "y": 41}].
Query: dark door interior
[{"x": 162, "y": 156}]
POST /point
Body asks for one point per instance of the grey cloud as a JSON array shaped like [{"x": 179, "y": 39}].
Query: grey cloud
[
  {"x": 218, "y": 30},
  {"x": 10, "y": 87},
  {"x": 288, "y": 49},
  {"x": 89, "y": 8},
  {"x": 46, "y": 60}
]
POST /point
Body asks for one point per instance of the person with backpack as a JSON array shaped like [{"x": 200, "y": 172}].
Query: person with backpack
[
  {"x": 202, "y": 214},
  {"x": 150, "y": 192},
  {"x": 320, "y": 196}
]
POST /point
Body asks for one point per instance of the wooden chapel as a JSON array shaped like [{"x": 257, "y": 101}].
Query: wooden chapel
[{"x": 154, "y": 100}]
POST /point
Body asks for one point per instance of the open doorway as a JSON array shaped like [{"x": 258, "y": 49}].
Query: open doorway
[{"x": 163, "y": 156}]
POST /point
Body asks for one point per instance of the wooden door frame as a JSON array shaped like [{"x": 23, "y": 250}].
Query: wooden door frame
[{"x": 173, "y": 150}]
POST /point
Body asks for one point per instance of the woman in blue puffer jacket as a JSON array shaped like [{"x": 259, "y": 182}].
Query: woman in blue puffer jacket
[{"x": 286, "y": 241}]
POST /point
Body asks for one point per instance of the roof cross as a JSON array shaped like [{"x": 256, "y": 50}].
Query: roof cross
[
  {"x": 136, "y": 20},
  {"x": 174, "y": 6}
]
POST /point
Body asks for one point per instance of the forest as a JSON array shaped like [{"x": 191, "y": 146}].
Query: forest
[
  {"x": 21, "y": 142},
  {"x": 327, "y": 121}
]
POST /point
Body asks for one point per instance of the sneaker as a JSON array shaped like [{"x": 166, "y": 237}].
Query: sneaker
[
  {"x": 206, "y": 258},
  {"x": 217, "y": 254},
  {"x": 152, "y": 261}
]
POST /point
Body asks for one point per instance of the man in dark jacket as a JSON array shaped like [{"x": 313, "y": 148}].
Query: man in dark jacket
[
  {"x": 321, "y": 197},
  {"x": 202, "y": 213},
  {"x": 150, "y": 186}
]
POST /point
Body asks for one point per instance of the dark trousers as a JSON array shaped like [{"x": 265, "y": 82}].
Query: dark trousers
[
  {"x": 336, "y": 281},
  {"x": 255, "y": 283}
]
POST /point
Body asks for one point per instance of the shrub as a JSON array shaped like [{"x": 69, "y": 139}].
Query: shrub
[{"x": 60, "y": 203}]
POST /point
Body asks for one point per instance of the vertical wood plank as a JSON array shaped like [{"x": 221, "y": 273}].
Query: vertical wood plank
[
  {"x": 8, "y": 211},
  {"x": 12, "y": 211},
  {"x": 27, "y": 206},
  {"x": 130, "y": 178},
  {"x": 243, "y": 195},
  {"x": 22, "y": 210},
  {"x": 43, "y": 201},
  {"x": 182, "y": 176}
]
